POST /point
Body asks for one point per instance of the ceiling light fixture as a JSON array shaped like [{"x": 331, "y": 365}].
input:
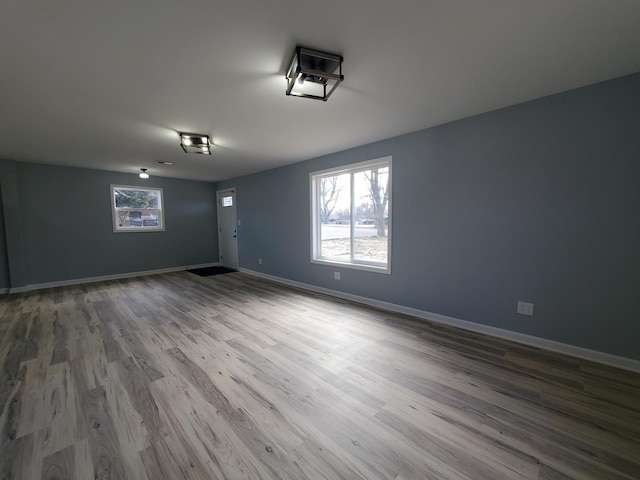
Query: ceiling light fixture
[
  {"x": 143, "y": 173},
  {"x": 162, "y": 162},
  {"x": 313, "y": 74},
  {"x": 195, "y": 143}
]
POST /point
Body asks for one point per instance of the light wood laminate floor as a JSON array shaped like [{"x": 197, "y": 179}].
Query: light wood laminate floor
[{"x": 176, "y": 376}]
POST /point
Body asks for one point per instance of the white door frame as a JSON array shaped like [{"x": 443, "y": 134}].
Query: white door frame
[{"x": 232, "y": 256}]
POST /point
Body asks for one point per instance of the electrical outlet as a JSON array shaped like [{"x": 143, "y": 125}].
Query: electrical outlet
[
  {"x": 525, "y": 308},
  {"x": 336, "y": 275},
  {"x": 259, "y": 261}
]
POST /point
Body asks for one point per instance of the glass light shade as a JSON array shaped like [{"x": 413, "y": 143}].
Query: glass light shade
[
  {"x": 195, "y": 143},
  {"x": 313, "y": 74}
]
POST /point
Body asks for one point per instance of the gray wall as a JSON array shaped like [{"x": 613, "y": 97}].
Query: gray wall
[
  {"x": 4, "y": 261},
  {"x": 58, "y": 225},
  {"x": 539, "y": 202}
]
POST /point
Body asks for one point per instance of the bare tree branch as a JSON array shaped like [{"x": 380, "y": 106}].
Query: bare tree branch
[
  {"x": 329, "y": 191},
  {"x": 378, "y": 192}
]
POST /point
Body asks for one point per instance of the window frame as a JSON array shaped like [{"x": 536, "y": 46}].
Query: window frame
[
  {"x": 160, "y": 227},
  {"x": 315, "y": 216}
]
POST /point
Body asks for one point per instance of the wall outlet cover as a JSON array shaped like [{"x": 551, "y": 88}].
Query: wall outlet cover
[{"x": 525, "y": 308}]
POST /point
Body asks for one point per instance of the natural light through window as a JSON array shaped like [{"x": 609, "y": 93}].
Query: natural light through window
[
  {"x": 136, "y": 209},
  {"x": 351, "y": 224}
]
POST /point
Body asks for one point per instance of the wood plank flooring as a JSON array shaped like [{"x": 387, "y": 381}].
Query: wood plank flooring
[{"x": 176, "y": 376}]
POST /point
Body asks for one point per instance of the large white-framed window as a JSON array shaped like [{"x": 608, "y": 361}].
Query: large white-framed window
[
  {"x": 137, "y": 209},
  {"x": 350, "y": 215}
]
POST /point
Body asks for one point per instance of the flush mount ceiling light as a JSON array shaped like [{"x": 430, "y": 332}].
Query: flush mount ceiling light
[
  {"x": 313, "y": 74},
  {"x": 143, "y": 173},
  {"x": 195, "y": 143}
]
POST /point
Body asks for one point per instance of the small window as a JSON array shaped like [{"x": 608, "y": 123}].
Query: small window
[
  {"x": 137, "y": 209},
  {"x": 227, "y": 201},
  {"x": 350, "y": 221}
]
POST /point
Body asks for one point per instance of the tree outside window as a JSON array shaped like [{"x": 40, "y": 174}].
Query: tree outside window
[
  {"x": 136, "y": 209},
  {"x": 350, "y": 220}
]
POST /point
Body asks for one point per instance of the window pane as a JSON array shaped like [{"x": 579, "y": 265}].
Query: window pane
[
  {"x": 350, "y": 215},
  {"x": 136, "y": 209},
  {"x": 371, "y": 215},
  {"x": 334, "y": 205},
  {"x": 227, "y": 201},
  {"x": 125, "y": 198}
]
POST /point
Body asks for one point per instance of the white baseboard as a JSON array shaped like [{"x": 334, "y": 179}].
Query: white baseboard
[
  {"x": 102, "y": 278},
  {"x": 543, "y": 343}
]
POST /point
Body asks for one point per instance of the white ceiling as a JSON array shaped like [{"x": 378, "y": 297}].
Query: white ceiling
[{"x": 108, "y": 84}]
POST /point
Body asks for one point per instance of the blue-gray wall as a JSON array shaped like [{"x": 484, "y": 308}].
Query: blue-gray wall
[
  {"x": 539, "y": 202},
  {"x": 58, "y": 225},
  {"x": 4, "y": 261}
]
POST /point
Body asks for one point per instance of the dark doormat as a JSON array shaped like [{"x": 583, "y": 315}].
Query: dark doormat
[{"x": 208, "y": 271}]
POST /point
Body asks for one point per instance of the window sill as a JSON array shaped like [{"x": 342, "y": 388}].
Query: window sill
[{"x": 354, "y": 266}]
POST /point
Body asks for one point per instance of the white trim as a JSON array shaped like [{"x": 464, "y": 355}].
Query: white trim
[
  {"x": 19, "y": 290},
  {"x": 351, "y": 169},
  {"x": 353, "y": 266},
  {"x": 219, "y": 195},
  {"x": 543, "y": 343},
  {"x": 103, "y": 278},
  {"x": 114, "y": 216}
]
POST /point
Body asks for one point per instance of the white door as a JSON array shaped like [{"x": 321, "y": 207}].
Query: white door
[{"x": 227, "y": 228}]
